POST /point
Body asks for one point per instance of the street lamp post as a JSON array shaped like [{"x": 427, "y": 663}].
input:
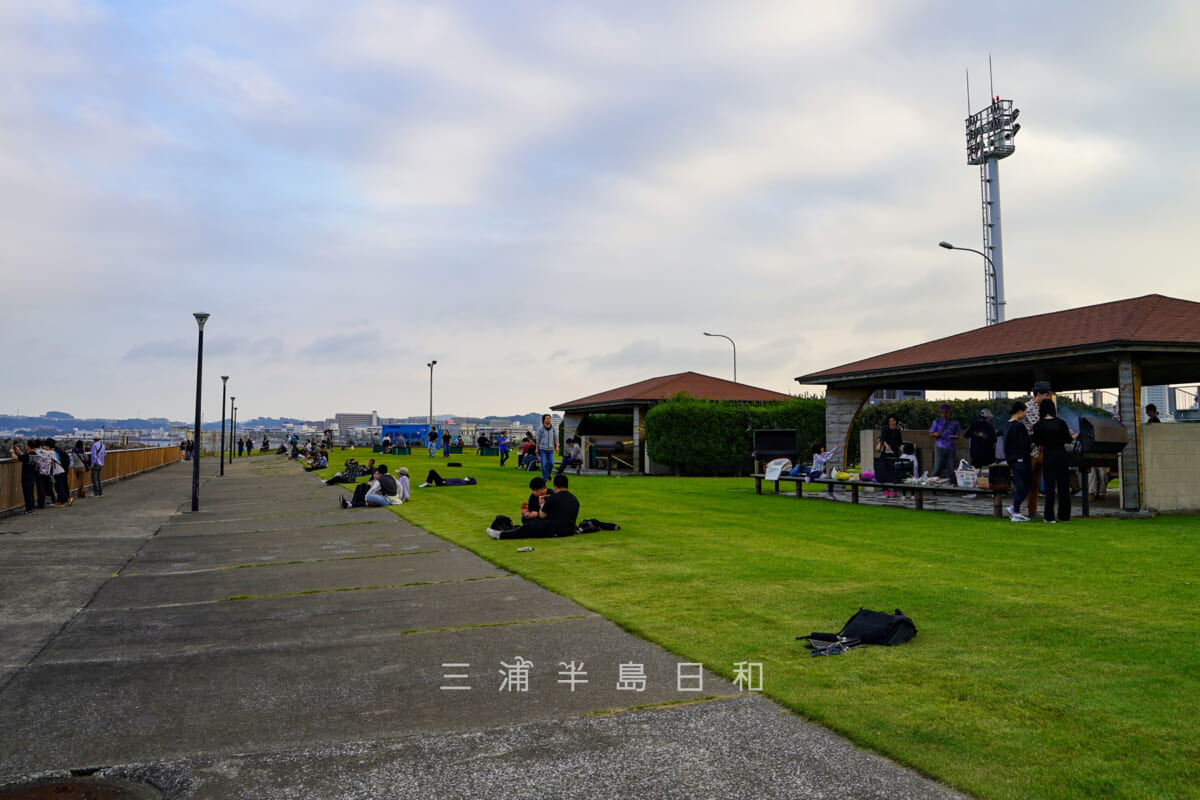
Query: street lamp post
[
  {"x": 201, "y": 318},
  {"x": 723, "y": 336},
  {"x": 993, "y": 284},
  {"x": 232, "y": 424},
  {"x": 430, "y": 365},
  {"x": 221, "y": 455}
]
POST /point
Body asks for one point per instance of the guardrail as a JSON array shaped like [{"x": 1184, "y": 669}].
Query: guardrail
[{"x": 118, "y": 464}]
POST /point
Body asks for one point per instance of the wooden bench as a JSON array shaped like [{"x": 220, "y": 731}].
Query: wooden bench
[{"x": 918, "y": 489}]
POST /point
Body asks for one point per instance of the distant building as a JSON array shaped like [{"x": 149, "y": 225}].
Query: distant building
[
  {"x": 344, "y": 422},
  {"x": 895, "y": 394}
]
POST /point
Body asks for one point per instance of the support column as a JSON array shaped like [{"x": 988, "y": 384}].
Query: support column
[
  {"x": 841, "y": 407},
  {"x": 1129, "y": 390},
  {"x": 637, "y": 441}
]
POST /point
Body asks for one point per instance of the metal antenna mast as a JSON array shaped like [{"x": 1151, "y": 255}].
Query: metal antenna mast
[{"x": 990, "y": 135}]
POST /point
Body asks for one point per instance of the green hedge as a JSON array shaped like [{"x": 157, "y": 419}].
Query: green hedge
[{"x": 707, "y": 437}]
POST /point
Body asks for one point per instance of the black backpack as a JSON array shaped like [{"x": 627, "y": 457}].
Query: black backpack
[{"x": 871, "y": 627}]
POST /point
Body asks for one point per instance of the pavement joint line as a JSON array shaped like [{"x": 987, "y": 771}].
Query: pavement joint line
[
  {"x": 240, "y": 597},
  {"x": 277, "y": 564},
  {"x": 690, "y": 701},
  {"x": 417, "y": 631},
  {"x": 50, "y": 640}
]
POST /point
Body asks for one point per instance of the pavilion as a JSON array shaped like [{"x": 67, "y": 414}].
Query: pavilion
[
  {"x": 638, "y": 398},
  {"x": 1152, "y": 339}
]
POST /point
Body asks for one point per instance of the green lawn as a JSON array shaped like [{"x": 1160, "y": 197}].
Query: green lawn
[{"x": 1052, "y": 661}]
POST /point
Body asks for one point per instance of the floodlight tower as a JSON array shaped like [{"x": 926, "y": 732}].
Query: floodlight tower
[{"x": 990, "y": 135}]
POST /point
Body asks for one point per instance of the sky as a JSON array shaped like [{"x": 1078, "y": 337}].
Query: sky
[{"x": 553, "y": 199}]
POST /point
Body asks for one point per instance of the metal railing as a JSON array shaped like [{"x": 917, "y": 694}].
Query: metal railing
[{"x": 118, "y": 464}]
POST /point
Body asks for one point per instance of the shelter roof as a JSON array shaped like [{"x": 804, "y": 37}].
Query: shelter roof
[
  {"x": 1078, "y": 345},
  {"x": 655, "y": 390}
]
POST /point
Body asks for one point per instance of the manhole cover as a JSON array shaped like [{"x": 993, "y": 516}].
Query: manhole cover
[{"x": 78, "y": 789}]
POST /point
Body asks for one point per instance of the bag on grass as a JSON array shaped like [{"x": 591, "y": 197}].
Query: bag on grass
[
  {"x": 501, "y": 523},
  {"x": 870, "y": 627}
]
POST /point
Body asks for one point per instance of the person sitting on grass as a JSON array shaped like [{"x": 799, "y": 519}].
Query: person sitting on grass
[
  {"x": 556, "y": 517},
  {"x": 433, "y": 479},
  {"x": 385, "y": 490},
  {"x": 537, "y": 488},
  {"x": 320, "y": 462},
  {"x": 351, "y": 471}
]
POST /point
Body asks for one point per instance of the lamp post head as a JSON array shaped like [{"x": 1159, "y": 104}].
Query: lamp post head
[
  {"x": 706, "y": 333},
  {"x": 431, "y": 363},
  {"x": 224, "y": 378},
  {"x": 201, "y": 318},
  {"x": 946, "y": 245}
]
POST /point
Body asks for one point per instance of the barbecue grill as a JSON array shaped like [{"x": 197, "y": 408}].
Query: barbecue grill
[
  {"x": 771, "y": 444},
  {"x": 611, "y": 451},
  {"x": 1099, "y": 444}
]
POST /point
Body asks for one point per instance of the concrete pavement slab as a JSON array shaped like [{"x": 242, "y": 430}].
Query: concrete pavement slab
[
  {"x": 278, "y": 696},
  {"x": 346, "y": 617},
  {"x": 130, "y": 590},
  {"x": 370, "y": 537}
]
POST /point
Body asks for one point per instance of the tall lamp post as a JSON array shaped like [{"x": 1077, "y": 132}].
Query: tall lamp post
[
  {"x": 201, "y": 318},
  {"x": 232, "y": 424},
  {"x": 221, "y": 455},
  {"x": 993, "y": 284},
  {"x": 723, "y": 336},
  {"x": 430, "y": 365}
]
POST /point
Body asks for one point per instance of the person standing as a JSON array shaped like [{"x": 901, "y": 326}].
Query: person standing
[
  {"x": 1053, "y": 436},
  {"x": 945, "y": 431},
  {"x": 78, "y": 458},
  {"x": 1041, "y": 391},
  {"x": 445, "y": 443},
  {"x": 502, "y": 444},
  {"x": 1016, "y": 452},
  {"x": 98, "y": 453},
  {"x": 241, "y": 446},
  {"x": 431, "y": 441},
  {"x": 29, "y": 474},
  {"x": 59, "y": 470},
  {"x": 547, "y": 443}
]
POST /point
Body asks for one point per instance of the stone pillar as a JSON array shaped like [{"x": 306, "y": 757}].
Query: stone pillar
[
  {"x": 841, "y": 407},
  {"x": 637, "y": 441},
  {"x": 1129, "y": 390}
]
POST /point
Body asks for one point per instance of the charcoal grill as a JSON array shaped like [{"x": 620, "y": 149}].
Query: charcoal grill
[
  {"x": 1099, "y": 444},
  {"x": 610, "y": 452}
]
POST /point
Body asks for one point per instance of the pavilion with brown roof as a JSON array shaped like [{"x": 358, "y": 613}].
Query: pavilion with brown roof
[
  {"x": 637, "y": 399},
  {"x": 1152, "y": 340}
]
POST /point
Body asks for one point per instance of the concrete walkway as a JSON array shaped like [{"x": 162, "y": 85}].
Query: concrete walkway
[{"x": 273, "y": 646}]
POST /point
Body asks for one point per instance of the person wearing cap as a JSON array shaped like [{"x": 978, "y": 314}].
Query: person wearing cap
[
  {"x": 945, "y": 431},
  {"x": 1016, "y": 453},
  {"x": 1041, "y": 391}
]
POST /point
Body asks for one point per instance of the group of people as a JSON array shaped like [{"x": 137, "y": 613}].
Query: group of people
[
  {"x": 1034, "y": 440},
  {"x": 448, "y": 441},
  {"x": 383, "y": 489},
  {"x": 50, "y": 472},
  {"x": 545, "y": 514}
]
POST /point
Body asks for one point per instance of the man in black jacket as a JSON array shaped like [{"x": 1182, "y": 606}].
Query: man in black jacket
[
  {"x": 556, "y": 518},
  {"x": 1017, "y": 443}
]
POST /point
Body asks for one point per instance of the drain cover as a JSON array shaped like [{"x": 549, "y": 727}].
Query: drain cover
[{"x": 78, "y": 789}]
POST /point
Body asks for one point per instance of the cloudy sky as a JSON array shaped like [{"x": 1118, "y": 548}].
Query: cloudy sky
[{"x": 557, "y": 198}]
